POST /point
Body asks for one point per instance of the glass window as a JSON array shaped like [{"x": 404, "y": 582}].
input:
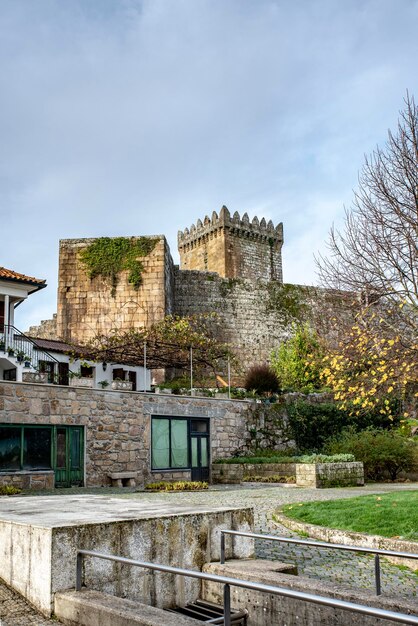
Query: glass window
[
  {"x": 204, "y": 452},
  {"x": 160, "y": 443},
  {"x": 195, "y": 458},
  {"x": 75, "y": 448},
  {"x": 37, "y": 448},
  {"x": 179, "y": 449},
  {"x": 199, "y": 426},
  {"x": 10, "y": 448},
  {"x": 61, "y": 447}
]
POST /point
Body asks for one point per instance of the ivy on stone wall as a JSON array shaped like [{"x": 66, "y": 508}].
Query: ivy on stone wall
[
  {"x": 227, "y": 285},
  {"x": 108, "y": 256},
  {"x": 287, "y": 300}
]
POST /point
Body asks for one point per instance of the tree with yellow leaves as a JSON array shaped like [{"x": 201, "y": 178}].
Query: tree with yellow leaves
[{"x": 375, "y": 259}]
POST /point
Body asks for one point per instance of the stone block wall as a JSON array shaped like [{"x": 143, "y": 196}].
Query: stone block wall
[
  {"x": 234, "y": 473},
  {"x": 86, "y": 306},
  {"x": 254, "y": 317},
  {"x": 28, "y": 480},
  {"x": 323, "y": 475},
  {"x": 118, "y": 423},
  {"x": 47, "y": 329}
]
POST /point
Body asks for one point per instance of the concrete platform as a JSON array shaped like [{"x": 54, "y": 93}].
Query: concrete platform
[
  {"x": 39, "y": 537},
  {"x": 84, "y": 608}
]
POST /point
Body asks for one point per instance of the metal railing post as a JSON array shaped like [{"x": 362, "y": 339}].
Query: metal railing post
[
  {"x": 222, "y": 548},
  {"x": 79, "y": 572},
  {"x": 377, "y": 574},
  {"x": 227, "y": 605}
]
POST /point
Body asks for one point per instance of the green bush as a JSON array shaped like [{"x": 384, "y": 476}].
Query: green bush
[
  {"x": 275, "y": 478},
  {"x": 381, "y": 451},
  {"x": 9, "y": 490},
  {"x": 312, "y": 424},
  {"x": 290, "y": 361},
  {"x": 261, "y": 379}
]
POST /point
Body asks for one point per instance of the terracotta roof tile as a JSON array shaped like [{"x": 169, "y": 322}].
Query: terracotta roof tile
[{"x": 21, "y": 278}]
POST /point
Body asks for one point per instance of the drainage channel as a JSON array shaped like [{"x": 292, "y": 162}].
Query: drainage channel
[{"x": 210, "y": 613}]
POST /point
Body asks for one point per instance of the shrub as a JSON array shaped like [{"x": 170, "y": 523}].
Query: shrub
[
  {"x": 262, "y": 379},
  {"x": 181, "y": 485},
  {"x": 275, "y": 478},
  {"x": 295, "y": 361},
  {"x": 312, "y": 424},
  {"x": 382, "y": 451},
  {"x": 9, "y": 490}
]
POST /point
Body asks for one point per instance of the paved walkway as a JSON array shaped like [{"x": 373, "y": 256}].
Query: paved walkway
[{"x": 329, "y": 565}]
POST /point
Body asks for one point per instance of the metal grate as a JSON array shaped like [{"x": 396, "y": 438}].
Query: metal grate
[{"x": 210, "y": 613}]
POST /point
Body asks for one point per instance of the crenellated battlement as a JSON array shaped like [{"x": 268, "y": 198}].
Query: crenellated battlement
[
  {"x": 233, "y": 246},
  {"x": 240, "y": 226}
]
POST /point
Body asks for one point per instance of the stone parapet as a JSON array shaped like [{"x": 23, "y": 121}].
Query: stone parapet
[{"x": 233, "y": 247}]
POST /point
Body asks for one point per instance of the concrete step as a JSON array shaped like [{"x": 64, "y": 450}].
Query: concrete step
[{"x": 93, "y": 608}]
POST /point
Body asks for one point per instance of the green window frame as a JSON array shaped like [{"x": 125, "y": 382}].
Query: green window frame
[
  {"x": 171, "y": 440},
  {"x": 170, "y": 443}
]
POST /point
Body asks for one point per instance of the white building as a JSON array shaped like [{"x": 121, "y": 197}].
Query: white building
[{"x": 30, "y": 359}]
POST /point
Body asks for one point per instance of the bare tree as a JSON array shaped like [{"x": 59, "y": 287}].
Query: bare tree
[{"x": 375, "y": 255}]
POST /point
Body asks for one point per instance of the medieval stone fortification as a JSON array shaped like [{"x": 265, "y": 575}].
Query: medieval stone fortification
[{"x": 229, "y": 265}]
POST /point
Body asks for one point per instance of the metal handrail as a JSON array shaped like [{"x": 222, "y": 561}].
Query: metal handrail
[
  {"x": 318, "y": 544},
  {"x": 227, "y": 582}
]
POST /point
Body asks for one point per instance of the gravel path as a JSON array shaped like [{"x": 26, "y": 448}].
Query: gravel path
[{"x": 328, "y": 565}]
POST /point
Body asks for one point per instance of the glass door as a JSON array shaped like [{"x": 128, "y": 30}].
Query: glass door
[{"x": 199, "y": 447}]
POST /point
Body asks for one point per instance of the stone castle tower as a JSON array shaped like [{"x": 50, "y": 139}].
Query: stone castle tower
[
  {"x": 228, "y": 265},
  {"x": 233, "y": 247}
]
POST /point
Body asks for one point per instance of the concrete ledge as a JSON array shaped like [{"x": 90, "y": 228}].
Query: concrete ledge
[
  {"x": 266, "y": 609},
  {"x": 348, "y": 537},
  {"x": 92, "y": 608}
]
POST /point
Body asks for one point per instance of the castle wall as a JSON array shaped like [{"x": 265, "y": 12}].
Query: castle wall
[
  {"x": 233, "y": 247},
  {"x": 254, "y": 317},
  {"x": 86, "y": 306}
]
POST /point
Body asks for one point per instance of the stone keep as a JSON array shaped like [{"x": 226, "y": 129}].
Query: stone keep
[
  {"x": 228, "y": 265},
  {"x": 233, "y": 247},
  {"x": 86, "y": 306}
]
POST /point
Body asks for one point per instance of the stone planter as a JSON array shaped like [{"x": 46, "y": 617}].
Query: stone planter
[
  {"x": 317, "y": 475},
  {"x": 35, "y": 377},
  {"x": 323, "y": 475},
  {"x": 81, "y": 382},
  {"x": 122, "y": 385}
]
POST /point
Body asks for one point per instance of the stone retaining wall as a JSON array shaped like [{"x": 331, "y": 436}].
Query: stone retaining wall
[
  {"x": 321, "y": 475},
  {"x": 317, "y": 475},
  {"x": 235, "y": 472},
  {"x": 28, "y": 480},
  {"x": 118, "y": 424}
]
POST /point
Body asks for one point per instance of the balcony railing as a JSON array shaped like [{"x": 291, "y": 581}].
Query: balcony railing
[{"x": 22, "y": 348}]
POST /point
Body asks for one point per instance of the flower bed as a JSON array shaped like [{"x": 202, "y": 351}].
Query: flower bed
[{"x": 181, "y": 485}]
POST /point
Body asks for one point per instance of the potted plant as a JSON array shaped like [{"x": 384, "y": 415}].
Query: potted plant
[
  {"x": 103, "y": 383},
  {"x": 10, "y": 351},
  {"x": 27, "y": 360},
  {"x": 20, "y": 356},
  {"x": 2, "y": 346}
]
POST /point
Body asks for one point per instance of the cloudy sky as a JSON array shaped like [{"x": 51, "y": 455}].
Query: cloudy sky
[{"x": 132, "y": 117}]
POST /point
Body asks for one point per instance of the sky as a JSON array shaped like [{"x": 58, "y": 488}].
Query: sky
[{"x": 137, "y": 117}]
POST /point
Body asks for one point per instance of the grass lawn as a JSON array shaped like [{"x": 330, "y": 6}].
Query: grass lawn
[{"x": 388, "y": 514}]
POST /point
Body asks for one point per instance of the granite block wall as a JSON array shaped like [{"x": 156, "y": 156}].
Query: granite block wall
[{"x": 118, "y": 423}]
